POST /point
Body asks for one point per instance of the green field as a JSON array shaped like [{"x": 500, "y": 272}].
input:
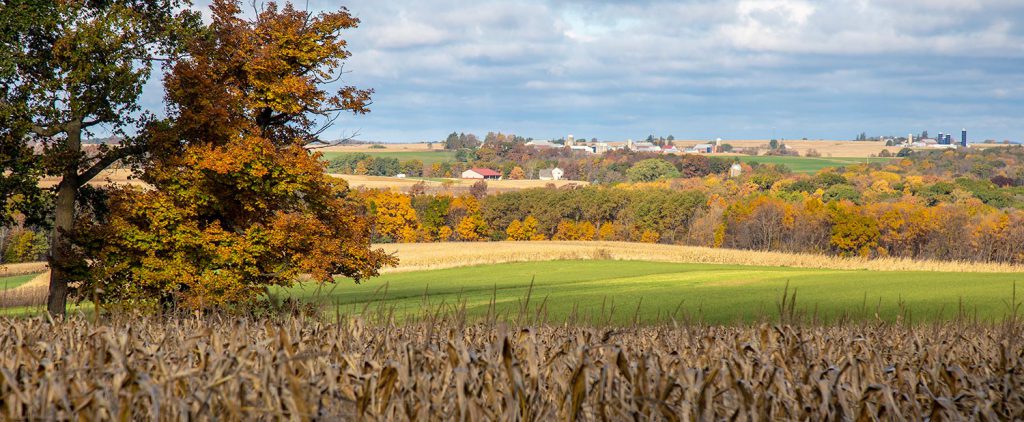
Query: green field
[
  {"x": 810, "y": 164},
  {"x": 15, "y": 280},
  {"x": 428, "y": 157},
  {"x": 708, "y": 292}
]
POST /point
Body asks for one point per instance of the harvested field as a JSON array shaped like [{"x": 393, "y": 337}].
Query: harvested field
[
  {"x": 827, "y": 148},
  {"x": 427, "y": 256},
  {"x": 427, "y": 157},
  {"x": 115, "y": 176},
  {"x": 7, "y": 270},
  {"x": 392, "y": 147},
  {"x": 442, "y": 369},
  {"x": 448, "y": 185}
]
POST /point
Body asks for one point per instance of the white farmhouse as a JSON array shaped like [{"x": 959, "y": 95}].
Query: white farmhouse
[{"x": 554, "y": 173}]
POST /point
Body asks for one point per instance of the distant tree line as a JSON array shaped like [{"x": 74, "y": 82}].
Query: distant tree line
[{"x": 863, "y": 210}]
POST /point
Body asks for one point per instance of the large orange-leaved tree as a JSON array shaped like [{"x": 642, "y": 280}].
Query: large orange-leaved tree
[{"x": 238, "y": 201}]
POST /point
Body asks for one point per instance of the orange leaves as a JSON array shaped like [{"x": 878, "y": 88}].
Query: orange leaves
[{"x": 269, "y": 71}]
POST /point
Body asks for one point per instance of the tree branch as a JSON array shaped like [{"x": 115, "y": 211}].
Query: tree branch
[
  {"x": 90, "y": 123},
  {"x": 109, "y": 158},
  {"x": 47, "y": 131}
]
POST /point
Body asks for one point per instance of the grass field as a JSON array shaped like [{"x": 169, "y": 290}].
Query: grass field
[
  {"x": 722, "y": 284},
  {"x": 621, "y": 291},
  {"x": 428, "y": 157},
  {"x": 810, "y": 164},
  {"x": 14, "y": 281}
]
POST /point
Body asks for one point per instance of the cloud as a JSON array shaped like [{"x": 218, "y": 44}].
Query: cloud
[{"x": 699, "y": 68}]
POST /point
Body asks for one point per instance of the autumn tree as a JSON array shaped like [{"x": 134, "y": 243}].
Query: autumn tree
[
  {"x": 524, "y": 230},
  {"x": 517, "y": 173},
  {"x": 607, "y": 231},
  {"x": 69, "y": 67},
  {"x": 574, "y": 230},
  {"x": 238, "y": 202},
  {"x": 852, "y": 232},
  {"x": 651, "y": 169},
  {"x": 472, "y": 228},
  {"x": 395, "y": 217}
]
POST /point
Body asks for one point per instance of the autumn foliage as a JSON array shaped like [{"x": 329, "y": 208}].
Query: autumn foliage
[
  {"x": 238, "y": 203},
  {"x": 863, "y": 211}
]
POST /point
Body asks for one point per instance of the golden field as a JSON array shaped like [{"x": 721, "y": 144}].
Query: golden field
[
  {"x": 426, "y": 256},
  {"x": 123, "y": 177},
  {"x": 115, "y": 176},
  {"x": 825, "y": 147},
  {"x": 388, "y": 147},
  {"x": 441, "y": 368}
]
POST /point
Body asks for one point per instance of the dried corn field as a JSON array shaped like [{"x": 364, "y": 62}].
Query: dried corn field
[
  {"x": 240, "y": 368},
  {"x": 431, "y": 256}
]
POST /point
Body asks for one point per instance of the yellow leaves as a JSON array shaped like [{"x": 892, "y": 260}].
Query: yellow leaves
[
  {"x": 650, "y": 236},
  {"x": 395, "y": 218},
  {"x": 472, "y": 228},
  {"x": 524, "y": 230},
  {"x": 889, "y": 177},
  {"x": 515, "y": 230},
  {"x": 573, "y": 230},
  {"x": 607, "y": 231},
  {"x": 444, "y": 233},
  {"x": 465, "y": 203}
]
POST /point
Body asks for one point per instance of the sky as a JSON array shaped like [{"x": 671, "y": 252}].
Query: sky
[{"x": 734, "y": 69}]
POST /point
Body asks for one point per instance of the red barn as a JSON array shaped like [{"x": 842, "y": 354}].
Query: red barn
[{"x": 481, "y": 173}]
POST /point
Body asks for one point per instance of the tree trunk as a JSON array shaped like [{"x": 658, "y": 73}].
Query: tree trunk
[{"x": 64, "y": 217}]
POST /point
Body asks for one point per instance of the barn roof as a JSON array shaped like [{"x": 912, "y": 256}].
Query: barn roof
[{"x": 484, "y": 171}]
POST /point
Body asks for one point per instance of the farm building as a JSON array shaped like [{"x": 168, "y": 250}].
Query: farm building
[
  {"x": 542, "y": 144},
  {"x": 481, "y": 173},
  {"x": 642, "y": 146},
  {"x": 554, "y": 173},
  {"x": 701, "y": 149}
]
